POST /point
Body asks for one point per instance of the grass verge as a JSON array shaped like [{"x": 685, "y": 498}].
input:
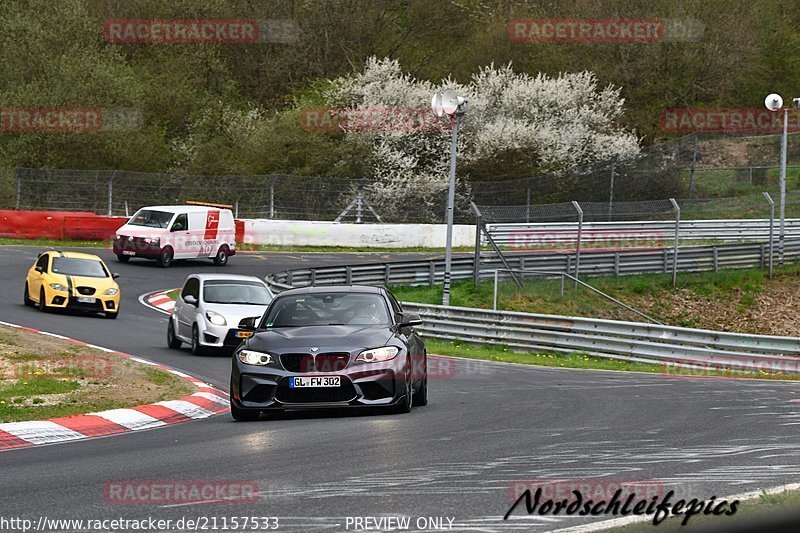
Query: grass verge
[{"x": 45, "y": 377}]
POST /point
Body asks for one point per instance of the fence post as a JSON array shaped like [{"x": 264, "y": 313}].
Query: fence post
[
  {"x": 578, "y": 244},
  {"x": 677, "y": 209},
  {"x": 528, "y": 204},
  {"x": 272, "y": 196},
  {"x": 476, "y": 262},
  {"x": 111, "y": 192},
  {"x": 694, "y": 163},
  {"x": 19, "y": 188},
  {"x": 611, "y": 192},
  {"x": 359, "y": 199},
  {"x": 771, "y": 229}
]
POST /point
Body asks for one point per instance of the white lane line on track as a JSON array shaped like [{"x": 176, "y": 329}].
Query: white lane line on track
[
  {"x": 626, "y": 520},
  {"x": 131, "y": 419}
]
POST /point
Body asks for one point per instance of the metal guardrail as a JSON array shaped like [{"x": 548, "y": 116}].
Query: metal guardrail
[
  {"x": 525, "y": 235},
  {"x": 650, "y": 343},
  {"x": 593, "y": 263},
  {"x": 633, "y": 341}
]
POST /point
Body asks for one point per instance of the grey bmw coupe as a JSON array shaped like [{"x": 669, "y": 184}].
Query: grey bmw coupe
[{"x": 327, "y": 347}]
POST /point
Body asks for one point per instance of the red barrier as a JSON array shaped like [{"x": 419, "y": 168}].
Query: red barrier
[
  {"x": 58, "y": 225},
  {"x": 68, "y": 225}
]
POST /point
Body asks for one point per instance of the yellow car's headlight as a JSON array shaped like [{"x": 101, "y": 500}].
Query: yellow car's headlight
[
  {"x": 58, "y": 287},
  {"x": 111, "y": 292}
]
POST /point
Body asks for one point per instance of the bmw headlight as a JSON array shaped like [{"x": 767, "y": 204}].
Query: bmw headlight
[
  {"x": 215, "y": 318},
  {"x": 377, "y": 355},
  {"x": 111, "y": 292},
  {"x": 58, "y": 287},
  {"x": 249, "y": 357}
]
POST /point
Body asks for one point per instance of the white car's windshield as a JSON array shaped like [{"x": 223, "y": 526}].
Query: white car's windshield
[
  {"x": 150, "y": 218},
  {"x": 235, "y": 292}
]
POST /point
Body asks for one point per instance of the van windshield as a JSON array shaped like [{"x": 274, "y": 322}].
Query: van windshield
[{"x": 151, "y": 219}]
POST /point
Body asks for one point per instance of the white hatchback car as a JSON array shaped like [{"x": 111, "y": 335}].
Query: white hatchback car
[{"x": 217, "y": 311}]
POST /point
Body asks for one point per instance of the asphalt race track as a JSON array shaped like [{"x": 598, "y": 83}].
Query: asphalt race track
[{"x": 486, "y": 426}]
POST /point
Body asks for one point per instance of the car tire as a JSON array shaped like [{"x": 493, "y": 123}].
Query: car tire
[
  {"x": 172, "y": 340},
  {"x": 123, "y": 258},
  {"x": 197, "y": 348},
  {"x": 221, "y": 259},
  {"x": 111, "y": 316},
  {"x": 405, "y": 405},
  {"x": 27, "y": 299},
  {"x": 43, "y": 302},
  {"x": 244, "y": 415},
  {"x": 165, "y": 257}
]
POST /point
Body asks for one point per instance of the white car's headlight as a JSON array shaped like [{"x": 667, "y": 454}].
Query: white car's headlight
[
  {"x": 117, "y": 237},
  {"x": 148, "y": 240},
  {"x": 215, "y": 318},
  {"x": 249, "y": 357},
  {"x": 111, "y": 292},
  {"x": 58, "y": 287},
  {"x": 377, "y": 355}
]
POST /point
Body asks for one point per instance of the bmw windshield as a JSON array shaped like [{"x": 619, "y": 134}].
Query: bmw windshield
[{"x": 327, "y": 309}]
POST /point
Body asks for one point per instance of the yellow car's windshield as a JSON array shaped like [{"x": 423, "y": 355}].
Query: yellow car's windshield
[{"x": 71, "y": 266}]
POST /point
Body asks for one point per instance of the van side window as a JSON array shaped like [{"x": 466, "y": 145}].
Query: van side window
[
  {"x": 192, "y": 288},
  {"x": 181, "y": 223},
  {"x": 42, "y": 262}
]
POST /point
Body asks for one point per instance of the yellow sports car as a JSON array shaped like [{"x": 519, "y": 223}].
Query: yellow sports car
[{"x": 71, "y": 280}]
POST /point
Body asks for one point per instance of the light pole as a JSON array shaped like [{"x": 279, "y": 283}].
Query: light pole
[
  {"x": 774, "y": 103},
  {"x": 448, "y": 102}
]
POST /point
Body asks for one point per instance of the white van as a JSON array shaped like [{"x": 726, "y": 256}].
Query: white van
[{"x": 165, "y": 233}]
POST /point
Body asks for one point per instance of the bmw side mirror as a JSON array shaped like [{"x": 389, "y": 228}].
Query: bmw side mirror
[
  {"x": 248, "y": 323},
  {"x": 411, "y": 320},
  {"x": 189, "y": 299}
]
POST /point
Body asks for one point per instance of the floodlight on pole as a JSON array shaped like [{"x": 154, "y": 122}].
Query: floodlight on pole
[
  {"x": 449, "y": 103},
  {"x": 774, "y": 102}
]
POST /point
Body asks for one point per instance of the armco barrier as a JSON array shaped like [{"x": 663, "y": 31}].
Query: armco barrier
[
  {"x": 543, "y": 235},
  {"x": 593, "y": 263},
  {"x": 633, "y": 341}
]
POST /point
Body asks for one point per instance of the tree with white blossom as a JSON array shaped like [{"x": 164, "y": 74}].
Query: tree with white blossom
[{"x": 550, "y": 123}]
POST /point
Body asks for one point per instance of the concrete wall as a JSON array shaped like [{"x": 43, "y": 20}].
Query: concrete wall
[{"x": 299, "y": 233}]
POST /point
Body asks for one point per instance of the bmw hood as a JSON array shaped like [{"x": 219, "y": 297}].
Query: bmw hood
[{"x": 327, "y": 338}]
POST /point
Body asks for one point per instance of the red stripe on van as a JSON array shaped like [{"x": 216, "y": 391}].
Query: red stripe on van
[{"x": 212, "y": 224}]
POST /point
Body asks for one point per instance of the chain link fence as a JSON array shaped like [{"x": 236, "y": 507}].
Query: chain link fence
[{"x": 689, "y": 167}]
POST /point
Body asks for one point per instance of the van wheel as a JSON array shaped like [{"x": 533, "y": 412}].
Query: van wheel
[
  {"x": 123, "y": 258},
  {"x": 221, "y": 258},
  {"x": 165, "y": 257}
]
